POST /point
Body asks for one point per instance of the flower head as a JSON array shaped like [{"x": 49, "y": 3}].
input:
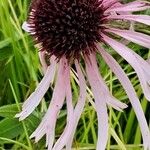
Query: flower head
[{"x": 70, "y": 30}]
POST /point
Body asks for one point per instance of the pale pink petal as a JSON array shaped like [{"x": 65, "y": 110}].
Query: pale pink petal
[
  {"x": 136, "y": 37},
  {"x": 79, "y": 106},
  {"x": 114, "y": 66},
  {"x": 116, "y": 104},
  {"x": 65, "y": 136},
  {"x": 69, "y": 131},
  {"x": 47, "y": 126},
  {"x": 26, "y": 27},
  {"x": 34, "y": 99},
  {"x": 106, "y": 4},
  {"x": 148, "y": 60},
  {"x": 131, "y": 7},
  {"x": 100, "y": 101},
  {"x": 140, "y": 66},
  {"x": 110, "y": 100},
  {"x": 145, "y": 19}
]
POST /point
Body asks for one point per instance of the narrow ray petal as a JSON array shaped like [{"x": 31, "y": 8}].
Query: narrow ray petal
[
  {"x": 140, "y": 66},
  {"x": 109, "y": 98},
  {"x": 34, "y": 99},
  {"x": 131, "y": 7},
  {"x": 100, "y": 101},
  {"x": 145, "y": 19},
  {"x": 110, "y": 3},
  {"x": 26, "y": 27},
  {"x": 79, "y": 106},
  {"x": 116, "y": 104},
  {"x": 65, "y": 136},
  {"x": 136, "y": 37},
  {"x": 114, "y": 66},
  {"x": 47, "y": 126}
]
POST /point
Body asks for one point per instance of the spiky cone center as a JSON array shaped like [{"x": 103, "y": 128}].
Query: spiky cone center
[{"x": 66, "y": 27}]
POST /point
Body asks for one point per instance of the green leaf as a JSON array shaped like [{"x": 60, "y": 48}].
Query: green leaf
[
  {"x": 5, "y": 50},
  {"x": 10, "y": 128},
  {"x": 5, "y": 53},
  {"x": 32, "y": 122},
  {"x": 9, "y": 110},
  {"x": 4, "y": 43}
]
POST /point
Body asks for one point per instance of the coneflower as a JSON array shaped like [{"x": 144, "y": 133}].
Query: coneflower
[{"x": 70, "y": 30}]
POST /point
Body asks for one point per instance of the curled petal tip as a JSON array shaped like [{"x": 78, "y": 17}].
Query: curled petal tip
[
  {"x": 25, "y": 27},
  {"x": 32, "y": 135},
  {"x": 21, "y": 118},
  {"x": 17, "y": 115},
  {"x": 36, "y": 140},
  {"x": 147, "y": 96},
  {"x": 116, "y": 104},
  {"x": 124, "y": 106}
]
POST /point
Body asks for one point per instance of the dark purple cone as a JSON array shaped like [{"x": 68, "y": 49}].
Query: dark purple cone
[{"x": 66, "y": 27}]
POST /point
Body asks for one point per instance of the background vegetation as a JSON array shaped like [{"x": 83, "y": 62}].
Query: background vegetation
[{"x": 20, "y": 72}]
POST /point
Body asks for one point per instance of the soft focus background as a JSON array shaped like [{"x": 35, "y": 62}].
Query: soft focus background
[{"x": 20, "y": 72}]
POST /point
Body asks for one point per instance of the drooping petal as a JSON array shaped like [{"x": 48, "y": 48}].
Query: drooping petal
[
  {"x": 136, "y": 37},
  {"x": 140, "y": 66},
  {"x": 34, "y": 99},
  {"x": 79, "y": 106},
  {"x": 145, "y": 19},
  {"x": 116, "y": 104},
  {"x": 110, "y": 100},
  {"x": 111, "y": 3},
  {"x": 26, "y": 27},
  {"x": 47, "y": 126},
  {"x": 130, "y": 7},
  {"x": 100, "y": 101},
  {"x": 102, "y": 97},
  {"x": 65, "y": 136},
  {"x": 114, "y": 66}
]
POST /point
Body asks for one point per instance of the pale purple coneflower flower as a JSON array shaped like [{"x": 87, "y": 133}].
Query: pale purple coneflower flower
[{"x": 70, "y": 30}]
